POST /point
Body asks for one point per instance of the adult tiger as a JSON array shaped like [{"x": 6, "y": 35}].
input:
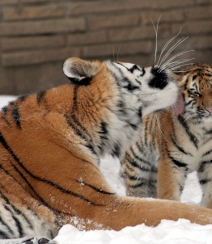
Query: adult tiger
[
  {"x": 51, "y": 143},
  {"x": 171, "y": 144}
]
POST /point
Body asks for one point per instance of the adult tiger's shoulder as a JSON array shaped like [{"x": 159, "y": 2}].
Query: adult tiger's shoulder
[
  {"x": 51, "y": 143},
  {"x": 175, "y": 142}
]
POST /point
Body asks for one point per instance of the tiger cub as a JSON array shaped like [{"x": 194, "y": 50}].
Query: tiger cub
[
  {"x": 175, "y": 142},
  {"x": 51, "y": 143}
]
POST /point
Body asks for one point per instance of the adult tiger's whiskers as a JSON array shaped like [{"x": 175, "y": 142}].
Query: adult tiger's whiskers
[{"x": 156, "y": 38}]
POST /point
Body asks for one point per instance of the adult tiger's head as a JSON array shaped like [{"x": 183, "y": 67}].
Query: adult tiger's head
[
  {"x": 124, "y": 92},
  {"x": 196, "y": 88}
]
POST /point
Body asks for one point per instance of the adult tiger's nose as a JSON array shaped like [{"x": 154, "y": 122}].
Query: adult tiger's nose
[{"x": 159, "y": 79}]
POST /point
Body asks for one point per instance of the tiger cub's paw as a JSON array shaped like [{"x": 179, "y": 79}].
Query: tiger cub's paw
[{"x": 34, "y": 240}]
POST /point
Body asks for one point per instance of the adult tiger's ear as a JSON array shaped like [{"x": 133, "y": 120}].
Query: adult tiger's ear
[{"x": 80, "y": 71}]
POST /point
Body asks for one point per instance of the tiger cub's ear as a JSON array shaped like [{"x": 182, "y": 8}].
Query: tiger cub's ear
[{"x": 80, "y": 71}]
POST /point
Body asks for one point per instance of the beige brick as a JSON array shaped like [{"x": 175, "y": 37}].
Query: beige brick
[
  {"x": 194, "y": 27},
  {"x": 87, "y": 38},
  {"x": 8, "y": 2},
  {"x": 142, "y": 60},
  {"x": 201, "y": 56},
  {"x": 36, "y": 57},
  {"x": 19, "y": 3},
  {"x": 17, "y": 43},
  {"x": 35, "y": 1},
  {"x": 199, "y": 13},
  {"x": 137, "y": 33},
  {"x": 196, "y": 43},
  {"x": 41, "y": 27},
  {"x": 203, "y": 1},
  {"x": 165, "y": 16},
  {"x": 96, "y": 22},
  {"x": 108, "y": 6},
  {"x": 87, "y": 7},
  {"x": 200, "y": 42},
  {"x": 165, "y": 4},
  {"x": 129, "y": 48},
  {"x": 21, "y": 13}
]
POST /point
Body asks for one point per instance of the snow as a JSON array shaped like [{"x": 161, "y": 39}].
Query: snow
[{"x": 167, "y": 232}]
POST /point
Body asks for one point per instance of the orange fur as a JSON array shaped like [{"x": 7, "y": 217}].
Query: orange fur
[{"x": 46, "y": 166}]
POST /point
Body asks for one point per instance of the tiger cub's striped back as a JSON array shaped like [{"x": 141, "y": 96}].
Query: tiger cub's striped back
[{"x": 175, "y": 142}]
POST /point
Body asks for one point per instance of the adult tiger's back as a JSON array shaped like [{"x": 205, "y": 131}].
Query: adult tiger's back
[{"x": 51, "y": 143}]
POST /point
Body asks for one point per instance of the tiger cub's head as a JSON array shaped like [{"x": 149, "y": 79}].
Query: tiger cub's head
[{"x": 196, "y": 88}]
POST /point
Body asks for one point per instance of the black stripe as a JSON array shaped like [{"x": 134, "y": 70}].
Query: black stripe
[
  {"x": 135, "y": 67},
  {"x": 23, "y": 98},
  {"x": 140, "y": 184},
  {"x": 204, "y": 181},
  {"x": 4, "y": 143},
  {"x": 189, "y": 102},
  {"x": 139, "y": 158},
  {"x": 77, "y": 131},
  {"x": 180, "y": 148},
  {"x": 116, "y": 150},
  {"x": 140, "y": 112},
  {"x": 130, "y": 87},
  {"x": 133, "y": 126},
  {"x": 4, "y": 235},
  {"x": 144, "y": 182},
  {"x": 5, "y": 109},
  {"x": 16, "y": 115},
  {"x": 134, "y": 163},
  {"x": 146, "y": 132},
  {"x": 209, "y": 132},
  {"x": 78, "y": 124},
  {"x": 74, "y": 109},
  {"x": 208, "y": 152},
  {"x": 75, "y": 106},
  {"x": 139, "y": 146},
  {"x": 18, "y": 225},
  {"x": 103, "y": 131},
  {"x": 9, "y": 229},
  {"x": 126, "y": 164},
  {"x": 94, "y": 188},
  {"x": 180, "y": 188},
  {"x": 176, "y": 162},
  {"x": 185, "y": 87},
  {"x": 23, "y": 177},
  {"x": 17, "y": 211},
  {"x": 40, "y": 96},
  {"x": 203, "y": 165},
  {"x": 8, "y": 123},
  {"x": 80, "y": 134},
  {"x": 192, "y": 138}
]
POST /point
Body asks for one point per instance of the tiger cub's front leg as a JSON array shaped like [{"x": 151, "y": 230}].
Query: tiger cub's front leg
[
  {"x": 140, "y": 176},
  {"x": 171, "y": 179},
  {"x": 205, "y": 180}
]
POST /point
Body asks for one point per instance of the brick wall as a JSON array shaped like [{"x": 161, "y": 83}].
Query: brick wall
[{"x": 36, "y": 36}]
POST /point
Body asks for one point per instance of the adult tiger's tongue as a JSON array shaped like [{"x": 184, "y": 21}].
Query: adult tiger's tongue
[{"x": 179, "y": 106}]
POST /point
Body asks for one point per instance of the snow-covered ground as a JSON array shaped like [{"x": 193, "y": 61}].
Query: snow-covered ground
[{"x": 168, "y": 232}]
